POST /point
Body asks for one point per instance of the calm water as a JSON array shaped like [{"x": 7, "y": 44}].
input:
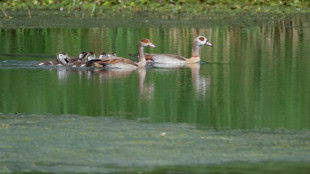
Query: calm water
[{"x": 251, "y": 93}]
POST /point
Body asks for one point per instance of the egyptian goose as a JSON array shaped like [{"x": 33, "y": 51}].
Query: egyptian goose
[
  {"x": 122, "y": 63},
  {"x": 111, "y": 55},
  {"x": 104, "y": 56},
  {"x": 88, "y": 57},
  {"x": 170, "y": 58},
  {"x": 85, "y": 61},
  {"x": 80, "y": 57},
  {"x": 49, "y": 63},
  {"x": 62, "y": 59}
]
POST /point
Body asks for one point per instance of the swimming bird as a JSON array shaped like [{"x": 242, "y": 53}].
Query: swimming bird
[
  {"x": 88, "y": 57},
  {"x": 104, "y": 55},
  {"x": 84, "y": 62},
  {"x": 81, "y": 55},
  {"x": 111, "y": 55},
  {"x": 176, "y": 59},
  {"x": 119, "y": 62},
  {"x": 62, "y": 59}
]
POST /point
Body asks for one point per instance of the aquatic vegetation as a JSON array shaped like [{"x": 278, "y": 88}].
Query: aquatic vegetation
[
  {"x": 72, "y": 144},
  {"x": 169, "y": 6}
]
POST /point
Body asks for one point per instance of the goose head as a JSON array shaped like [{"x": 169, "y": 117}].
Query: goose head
[
  {"x": 102, "y": 55},
  {"x": 82, "y": 54},
  {"x": 111, "y": 54},
  {"x": 90, "y": 56},
  {"x": 63, "y": 58},
  {"x": 201, "y": 40},
  {"x": 146, "y": 43}
]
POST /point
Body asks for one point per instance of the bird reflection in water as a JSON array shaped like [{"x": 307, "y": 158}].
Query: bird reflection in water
[
  {"x": 62, "y": 73},
  {"x": 145, "y": 91},
  {"x": 200, "y": 83}
]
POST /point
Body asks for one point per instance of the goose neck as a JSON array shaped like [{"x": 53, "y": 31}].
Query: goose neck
[
  {"x": 140, "y": 53},
  {"x": 195, "y": 50}
]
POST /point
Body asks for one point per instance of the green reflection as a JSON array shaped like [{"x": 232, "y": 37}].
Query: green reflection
[{"x": 256, "y": 76}]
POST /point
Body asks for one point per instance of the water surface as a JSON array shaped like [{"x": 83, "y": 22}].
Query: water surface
[{"x": 246, "y": 102}]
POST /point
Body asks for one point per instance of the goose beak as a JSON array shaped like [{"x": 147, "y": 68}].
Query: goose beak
[
  {"x": 209, "y": 44},
  {"x": 152, "y": 45}
]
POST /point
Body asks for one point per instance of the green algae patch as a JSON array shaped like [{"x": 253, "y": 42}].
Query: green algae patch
[
  {"x": 257, "y": 168},
  {"x": 58, "y": 144}
]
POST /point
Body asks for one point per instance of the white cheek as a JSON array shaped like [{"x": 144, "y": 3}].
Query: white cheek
[{"x": 201, "y": 43}]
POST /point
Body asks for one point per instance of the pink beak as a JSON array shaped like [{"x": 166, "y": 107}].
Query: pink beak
[
  {"x": 209, "y": 44},
  {"x": 152, "y": 45}
]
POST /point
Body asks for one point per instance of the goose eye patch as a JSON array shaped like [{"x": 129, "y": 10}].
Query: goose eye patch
[{"x": 202, "y": 38}]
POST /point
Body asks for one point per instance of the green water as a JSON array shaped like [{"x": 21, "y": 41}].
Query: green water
[{"x": 244, "y": 108}]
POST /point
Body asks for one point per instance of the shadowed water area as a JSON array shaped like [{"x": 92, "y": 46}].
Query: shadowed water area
[{"x": 243, "y": 109}]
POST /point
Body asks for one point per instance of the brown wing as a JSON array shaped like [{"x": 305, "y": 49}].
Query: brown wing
[
  {"x": 45, "y": 62},
  {"x": 48, "y": 62},
  {"x": 147, "y": 56},
  {"x": 73, "y": 60},
  {"x": 78, "y": 64}
]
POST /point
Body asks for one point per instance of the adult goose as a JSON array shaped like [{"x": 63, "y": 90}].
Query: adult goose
[
  {"x": 176, "y": 59},
  {"x": 122, "y": 63}
]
